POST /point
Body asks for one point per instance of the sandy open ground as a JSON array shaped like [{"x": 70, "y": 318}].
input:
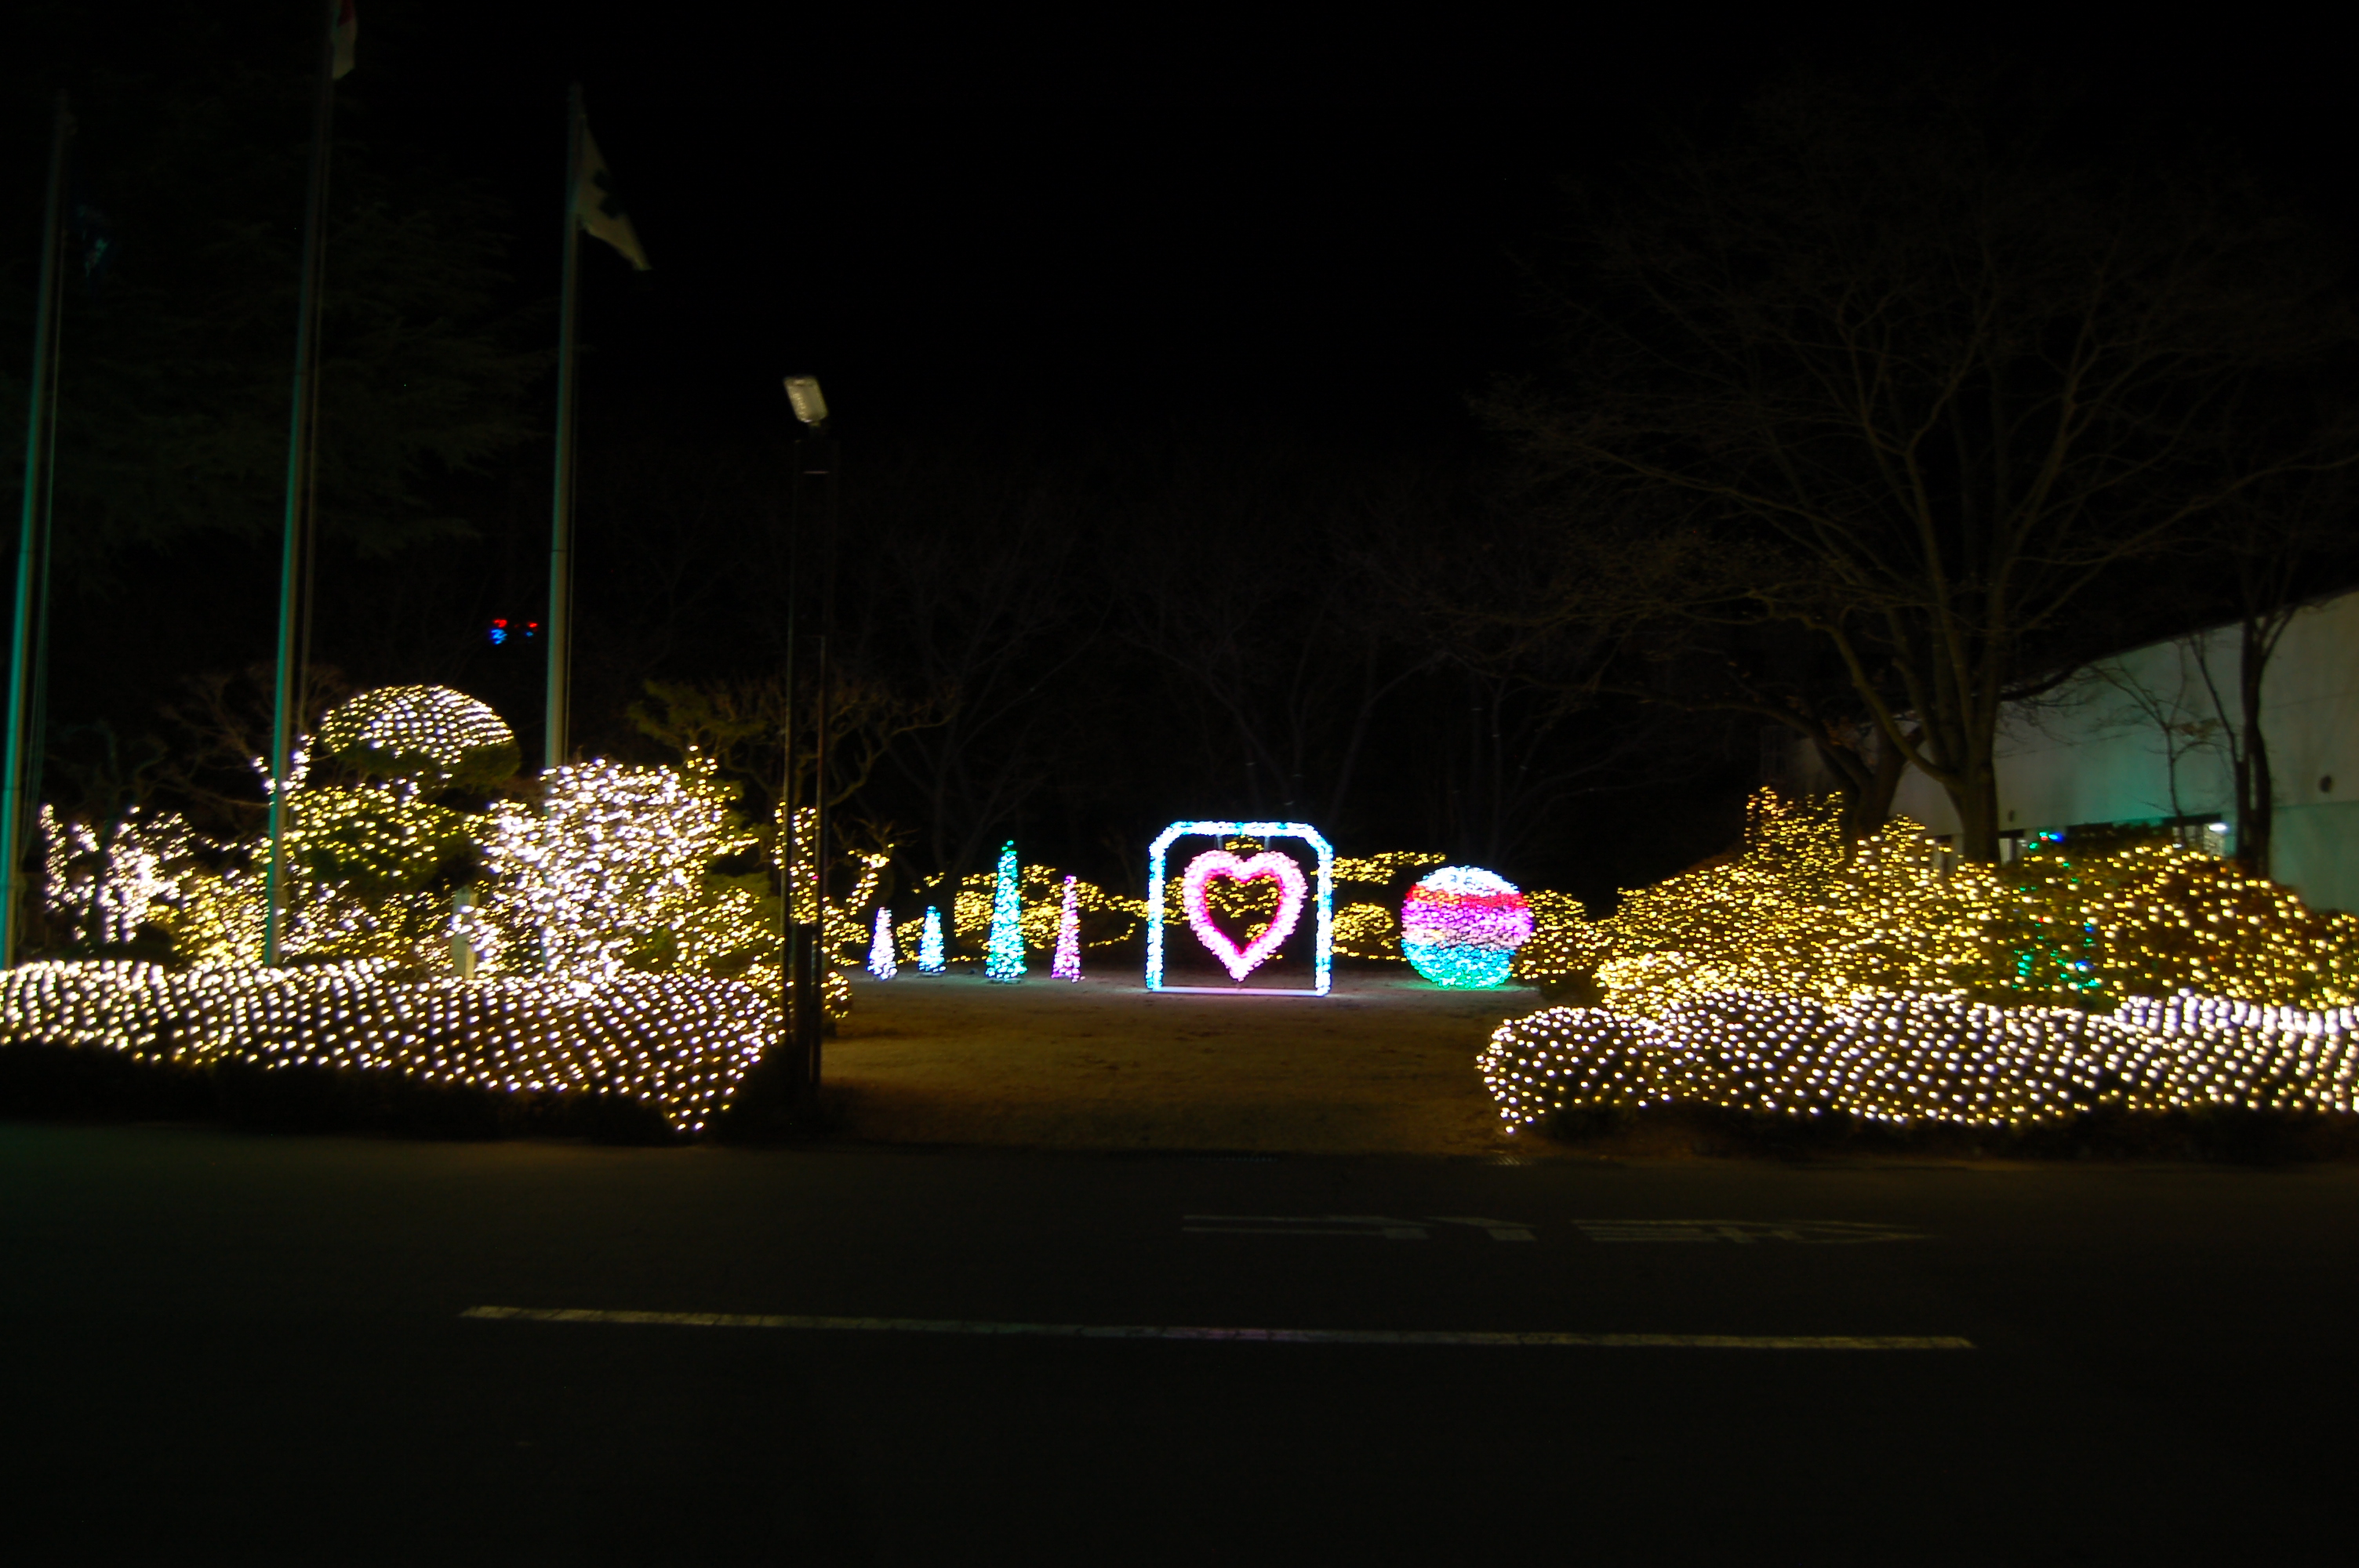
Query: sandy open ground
[{"x": 1384, "y": 1064}]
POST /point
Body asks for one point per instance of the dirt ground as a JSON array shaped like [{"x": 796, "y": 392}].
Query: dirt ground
[{"x": 1382, "y": 1066}]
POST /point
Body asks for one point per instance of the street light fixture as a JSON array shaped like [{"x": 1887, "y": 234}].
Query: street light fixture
[{"x": 810, "y": 406}]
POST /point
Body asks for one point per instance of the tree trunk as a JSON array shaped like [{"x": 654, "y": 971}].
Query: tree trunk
[
  {"x": 2255, "y": 785},
  {"x": 1866, "y": 780},
  {"x": 1869, "y": 805},
  {"x": 1974, "y": 794}
]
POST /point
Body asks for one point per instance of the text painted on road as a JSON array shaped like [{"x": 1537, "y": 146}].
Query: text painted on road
[{"x": 1374, "y": 1225}]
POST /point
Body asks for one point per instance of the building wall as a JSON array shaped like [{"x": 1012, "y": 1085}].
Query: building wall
[{"x": 2138, "y": 739}]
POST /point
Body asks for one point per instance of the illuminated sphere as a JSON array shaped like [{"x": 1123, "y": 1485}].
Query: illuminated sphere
[
  {"x": 1461, "y": 925},
  {"x": 431, "y": 734}
]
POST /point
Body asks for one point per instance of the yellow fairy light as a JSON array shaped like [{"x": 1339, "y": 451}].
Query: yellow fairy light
[
  {"x": 1902, "y": 1058},
  {"x": 1886, "y": 984},
  {"x": 679, "y": 1043},
  {"x": 430, "y": 733},
  {"x": 1113, "y": 918}
]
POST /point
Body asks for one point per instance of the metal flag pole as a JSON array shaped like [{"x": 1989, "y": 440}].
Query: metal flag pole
[
  {"x": 295, "y": 546},
  {"x": 560, "y": 524},
  {"x": 32, "y": 547}
]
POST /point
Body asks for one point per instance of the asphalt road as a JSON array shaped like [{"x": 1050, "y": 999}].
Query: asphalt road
[{"x": 223, "y": 1348}]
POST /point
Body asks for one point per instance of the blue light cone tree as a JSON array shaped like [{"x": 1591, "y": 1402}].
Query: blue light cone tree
[
  {"x": 929, "y": 944},
  {"x": 1004, "y": 961}
]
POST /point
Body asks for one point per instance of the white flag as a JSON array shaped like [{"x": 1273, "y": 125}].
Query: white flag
[{"x": 599, "y": 210}]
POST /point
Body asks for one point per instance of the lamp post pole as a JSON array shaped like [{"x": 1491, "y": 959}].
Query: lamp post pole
[{"x": 802, "y": 952}]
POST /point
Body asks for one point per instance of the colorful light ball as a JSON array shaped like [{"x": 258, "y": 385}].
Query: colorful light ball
[{"x": 1462, "y": 924}]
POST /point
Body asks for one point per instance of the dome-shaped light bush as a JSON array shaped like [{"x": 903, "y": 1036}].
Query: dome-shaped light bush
[{"x": 440, "y": 737}]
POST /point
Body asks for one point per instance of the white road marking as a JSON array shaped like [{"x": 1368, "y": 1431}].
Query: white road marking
[
  {"x": 1244, "y": 1335},
  {"x": 1744, "y": 1232},
  {"x": 1369, "y": 1225},
  {"x": 1497, "y": 1229}
]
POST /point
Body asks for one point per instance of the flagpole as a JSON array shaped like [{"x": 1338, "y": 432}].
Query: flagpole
[
  {"x": 560, "y": 530},
  {"x": 32, "y": 548},
  {"x": 294, "y": 545}
]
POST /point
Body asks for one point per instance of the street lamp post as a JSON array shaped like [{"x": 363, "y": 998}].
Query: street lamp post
[{"x": 800, "y": 953}]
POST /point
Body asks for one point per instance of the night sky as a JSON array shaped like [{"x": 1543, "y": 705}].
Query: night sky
[
  {"x": 1214, "y": 230},
  {"x": 1187, "y": 219}
]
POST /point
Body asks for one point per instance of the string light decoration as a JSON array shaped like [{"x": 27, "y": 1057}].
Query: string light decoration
[
  {"x": 679, "y": 1043},
  {"x": 1564, "y": 940},
  {"x": 106, "y": 885},
  {"x": 1905, "y": 1059},
  {"x": 1262, "y": 940},
  {"x": 1383, "y": 870},
  {"x": 430, "y": 733},
  {"x": 882, "y": 961},
  {"x": 1067, "y": 964},
  {"x": 1004, "y": 958},
  {"x": 610, "y": 872},
  {"x": 609, "y": 886},
  {"x": 379, "y": 838},
  {"x": 1194, "y": 895},
  {"x": 1791, "y": 914},
  {"x": 1462, "y": 924},
  {"x": 1365, "y": 928},
  {"x": 1368, "y": 931},
  {"x": 1108, "y": 919},
  {"x": 929, "y": 944}
]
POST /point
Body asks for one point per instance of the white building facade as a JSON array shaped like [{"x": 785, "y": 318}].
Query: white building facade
[{"x": 2143, "y": 739}]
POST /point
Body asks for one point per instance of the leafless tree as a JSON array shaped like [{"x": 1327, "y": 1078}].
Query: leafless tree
[
  {"x": 1890, "y": 369},
  {"x": 2281, "y": 538}
]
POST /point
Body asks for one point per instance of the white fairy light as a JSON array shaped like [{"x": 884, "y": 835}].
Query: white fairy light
[
  {"x": 1896, "y": 1057},
  {"x": 679, "y": 1043}
]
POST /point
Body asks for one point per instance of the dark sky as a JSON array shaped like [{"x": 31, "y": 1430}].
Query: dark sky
[
  {"x": 1114, "y": 225},
  {"x": 1141, "y": 220},
  {"x": 1140, "y": 217}
]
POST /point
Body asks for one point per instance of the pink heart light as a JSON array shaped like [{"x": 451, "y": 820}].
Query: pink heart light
[{"x": 1291, "y": 892}]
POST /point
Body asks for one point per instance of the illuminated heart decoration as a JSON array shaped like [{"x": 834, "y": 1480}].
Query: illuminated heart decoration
[{"x": 1269, "y": 864}]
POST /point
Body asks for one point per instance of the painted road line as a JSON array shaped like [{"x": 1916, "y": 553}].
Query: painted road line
[
  {"x": 1362, "y": 1225},
  {"x": 1368, "y": 1224},
  {"x": 1745, "y": 1232},
  {"x": 1241, "y": 1336}
]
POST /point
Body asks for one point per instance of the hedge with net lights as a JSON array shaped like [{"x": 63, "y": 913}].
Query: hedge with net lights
[
  {"x": 680, "y": 1045},
  {"x": 1906, "y": 1058}
]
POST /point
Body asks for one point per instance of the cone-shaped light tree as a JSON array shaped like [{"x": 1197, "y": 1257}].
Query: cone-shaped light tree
[
  {"x": 1004, "y": 961},
  {"x": 1068, "y": 965}
]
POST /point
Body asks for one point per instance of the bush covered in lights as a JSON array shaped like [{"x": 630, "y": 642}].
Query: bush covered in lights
[
  {"x": 1795, "y": 914},
  {"x": 605, "y": 869},
  {"x": 1795, "y": 979},
  {"x": 427, "y": 735},
  {"x": 1904, "y": 1058},
  {"x": 678, "y": 1046}
]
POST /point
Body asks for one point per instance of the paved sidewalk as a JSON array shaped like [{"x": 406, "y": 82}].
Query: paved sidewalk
[{"x": 1383, "y": 1065}]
